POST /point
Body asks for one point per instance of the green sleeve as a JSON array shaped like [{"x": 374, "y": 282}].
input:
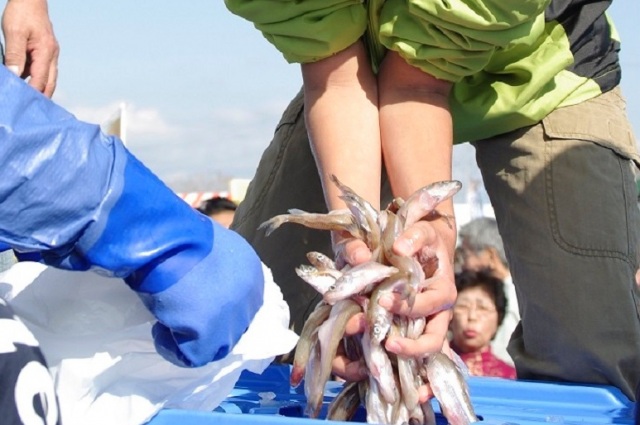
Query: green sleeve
[
  {"x": 452, "y": 39},
  {"x": 308, "y": 30}
]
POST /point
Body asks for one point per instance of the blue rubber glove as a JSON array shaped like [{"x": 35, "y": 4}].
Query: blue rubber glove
[{"x": 82, "y": 200}]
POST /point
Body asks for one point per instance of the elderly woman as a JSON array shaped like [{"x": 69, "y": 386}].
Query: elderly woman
[
  {"x": 481, "y": 248},
  {"x": 477, "y": 314}
]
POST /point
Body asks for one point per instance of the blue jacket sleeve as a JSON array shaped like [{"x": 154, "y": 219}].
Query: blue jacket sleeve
[{"x": 83, "y": 200}]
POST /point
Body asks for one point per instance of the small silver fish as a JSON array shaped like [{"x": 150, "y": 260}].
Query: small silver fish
[
  {"x": 344, "y": 406},
  {"x": 364, "y": 213},
  {"x": 375, "y": 404},
  {"x": 379, "y": 318},
  {"x": 409, "y": 265},
  {"x": 334, "y": 220},
  {"x": 308, "y": 337},
  {"x": 424, "y": 201},
  {"x": 356, "y": 279},
  {"x": 407, "y": 369},
  {"x": 450, "y": 388},
  {"x": 321, "y": 261},
  {"x": 320, "y": 280},
  {"x": 380, "y": 368},
  {"x": 330, "y": 333}
]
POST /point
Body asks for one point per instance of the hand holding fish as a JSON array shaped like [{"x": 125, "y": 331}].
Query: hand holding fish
[
  {"x": 385, "y": 310},
  {"x": 423, "y": 241},
  {"x": 355, "y": 370}
]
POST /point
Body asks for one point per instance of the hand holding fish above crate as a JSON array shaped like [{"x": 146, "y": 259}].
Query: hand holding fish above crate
[{"x": 398, "y": 344}]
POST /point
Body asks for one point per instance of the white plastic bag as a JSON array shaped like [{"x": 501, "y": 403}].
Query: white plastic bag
[{"x": 95, "y": 334}]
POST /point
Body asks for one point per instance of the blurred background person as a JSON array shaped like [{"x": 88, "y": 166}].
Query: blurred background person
[
  {"x": 480, "y": 248},
  {"x": 219, "y": 209},
  {"x": 477, "y": 314}
]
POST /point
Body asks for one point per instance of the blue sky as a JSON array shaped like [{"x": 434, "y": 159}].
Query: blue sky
[{"x": 203, "y": 89}]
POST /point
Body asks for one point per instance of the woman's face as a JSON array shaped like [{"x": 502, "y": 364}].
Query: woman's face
[{"x": 475, "y": 320}]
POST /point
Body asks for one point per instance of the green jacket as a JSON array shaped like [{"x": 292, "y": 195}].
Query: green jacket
[{"x": 512, "y": 62}]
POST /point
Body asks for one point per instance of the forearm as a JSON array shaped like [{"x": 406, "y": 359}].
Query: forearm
[
  {"x": 416, "y": 132},
  {"x": 341, "y": 114}
]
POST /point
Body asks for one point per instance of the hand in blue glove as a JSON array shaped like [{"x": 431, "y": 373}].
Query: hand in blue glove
[{"x": 85, "y": 202}]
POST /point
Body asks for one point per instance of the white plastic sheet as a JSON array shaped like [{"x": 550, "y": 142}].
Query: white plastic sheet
[{"x": 96, "y": 337}]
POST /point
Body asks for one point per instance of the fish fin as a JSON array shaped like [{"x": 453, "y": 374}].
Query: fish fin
[{"x": 269, "y": 226}]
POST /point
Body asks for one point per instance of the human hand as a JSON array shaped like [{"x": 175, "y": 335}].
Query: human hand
[
  {"x": 31, "y": 49},
  {"x": 349, "y": 250},
  {"x": 425, "y": 241}
]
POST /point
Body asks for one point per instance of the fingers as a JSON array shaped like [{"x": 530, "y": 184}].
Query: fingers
[
  {"x": 440, "y": 294},
  {"x": 52, "y": 81},
  {"x": 425, "y": 393},
  {"x": 446, "y": 349},
  {"x": 349, "y": 370},
  {"x": 430, "y": 341},
  {"x": 416, "y": 238},
  {"x": 357, "y": 252},
  {"x": 429, "y": 244},
  {"x": 427, "y": 240},
  {"x": 31, "y": 49},
  {"x": 350, "y": 251},
  {"x": 15, "y": 55},
  {"x": 356, "y": 325},
  {"x": 438, "y": 291},
  {"x": 43, "y": 69}
]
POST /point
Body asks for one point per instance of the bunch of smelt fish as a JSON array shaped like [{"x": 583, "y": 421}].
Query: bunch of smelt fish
[{"x": 390, "y": 395}]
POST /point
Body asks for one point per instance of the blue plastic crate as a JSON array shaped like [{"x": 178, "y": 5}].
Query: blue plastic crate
[{"x": 269, "y": 399}]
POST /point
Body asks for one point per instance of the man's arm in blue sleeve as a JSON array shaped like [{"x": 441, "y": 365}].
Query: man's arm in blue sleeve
[{"x": 86, "y": 203}]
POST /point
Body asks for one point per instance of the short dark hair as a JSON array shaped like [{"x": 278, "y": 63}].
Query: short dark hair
[
  {"x": 492, "y": 285},
  {"x": 216, "y": 204}
]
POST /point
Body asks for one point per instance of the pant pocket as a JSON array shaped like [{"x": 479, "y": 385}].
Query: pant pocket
[
  {"x": 602, "y": 120},
  {"x": 590, "y": 180}
]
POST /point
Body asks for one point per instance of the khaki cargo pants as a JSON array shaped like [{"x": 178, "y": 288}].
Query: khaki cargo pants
[{"x": 565, "y": 199}]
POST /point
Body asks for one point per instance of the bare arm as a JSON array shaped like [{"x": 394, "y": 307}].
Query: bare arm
[
  {"x": 417, "y": 144},
  {"x": 416, "y": 139},
  {"x": 341, "y": 111},
  {"x": 415, "y": 126}
]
